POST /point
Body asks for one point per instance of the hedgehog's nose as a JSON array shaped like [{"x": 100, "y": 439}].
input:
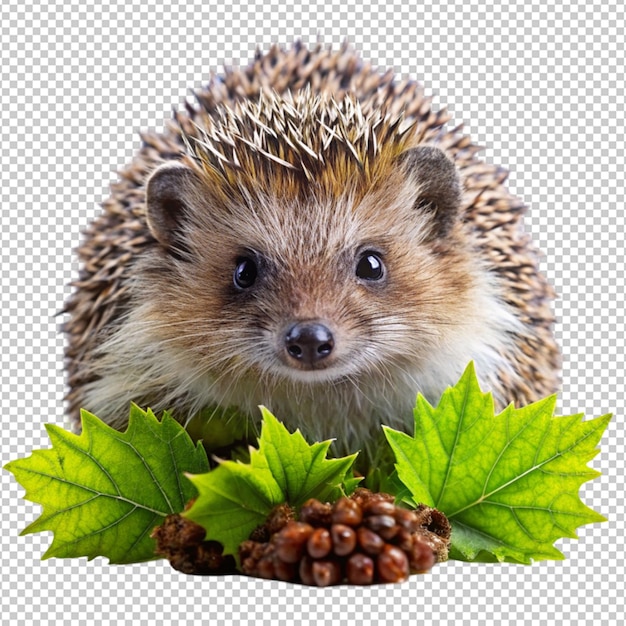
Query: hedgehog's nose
[{"x": 309, "y": 342}]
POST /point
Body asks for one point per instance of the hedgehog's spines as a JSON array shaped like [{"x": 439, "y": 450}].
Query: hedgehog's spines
[
  {"x": 314, "y": 134},
  {"x": 118, "y": 238}
]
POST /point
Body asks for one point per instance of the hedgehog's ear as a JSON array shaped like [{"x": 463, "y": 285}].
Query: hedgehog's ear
[
  {"x": 172, "y": 191},
  {"x": 439, "y": 188}
]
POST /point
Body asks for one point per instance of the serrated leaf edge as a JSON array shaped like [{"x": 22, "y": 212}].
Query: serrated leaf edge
[
  {"x": 63, "y": 439},
  {"x": 588, "y": 475},
  {"x": 472, "y": 379}
]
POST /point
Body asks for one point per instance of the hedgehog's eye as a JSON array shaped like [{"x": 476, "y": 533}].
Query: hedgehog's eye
[
  {"x": 370, "y": 266},
  {"x": 245, "y": 273}
]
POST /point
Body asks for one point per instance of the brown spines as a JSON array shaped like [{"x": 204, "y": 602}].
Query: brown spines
[
  {"x": 119, "y": 237},
  {"x": 283, "y": 146},
  {"x": 111, "y": 243},
  {"x": 292, "y": 69}
]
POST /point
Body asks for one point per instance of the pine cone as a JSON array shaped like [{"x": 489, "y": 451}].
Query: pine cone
[
  {"x": 181, "y": 541},
  {"x": 360, "y": 540}
]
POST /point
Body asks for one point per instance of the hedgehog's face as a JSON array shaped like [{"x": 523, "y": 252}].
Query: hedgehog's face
[
  {"x": 308, "y": 320},
  {"x": 313, "y": 289}
]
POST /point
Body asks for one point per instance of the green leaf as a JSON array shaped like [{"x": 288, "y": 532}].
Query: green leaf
[
  {"x": 301, "y": 470},
  {"x": 508, "y": 483},
  {"x": 236, "y": 497},
  {"x": 104, "y": 491}
]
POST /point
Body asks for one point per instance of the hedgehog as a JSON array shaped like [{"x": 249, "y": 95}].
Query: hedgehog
[{"x": 307, "y": 234}]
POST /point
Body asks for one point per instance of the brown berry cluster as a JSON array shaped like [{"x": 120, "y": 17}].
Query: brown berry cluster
[{"x": 359, "y": 540}]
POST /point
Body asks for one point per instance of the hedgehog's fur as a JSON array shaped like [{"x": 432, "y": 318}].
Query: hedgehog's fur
[{"x": 319, "y": 135}]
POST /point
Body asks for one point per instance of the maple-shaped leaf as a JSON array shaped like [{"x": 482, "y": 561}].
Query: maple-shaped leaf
[
  {"x": 104, "y": 491},
  {"x": 235, "y": 498},
  {"x": 508, "y": 483}
]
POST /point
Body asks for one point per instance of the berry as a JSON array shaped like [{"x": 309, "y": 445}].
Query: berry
[
  {"x": 292, "y": 541},
  {"x": 392, "y": 565},
  {"x": 371, "y": 542},
  {"x": 360, "y": 540},
  {"x": 379, "y": 507},
  {"x": 360, "y": 569},
  {"x": 320, "y": 543},
  {"x": 306, "y": 571},
  {"x": 421, "y": 555},
  {"x": 384, "y": 525},
  {"x": 326, "y": 573},
  {"x": 344, "y": 539},
  {"x": 315, "y": 512},
  {"x": 346, "y": 511}
]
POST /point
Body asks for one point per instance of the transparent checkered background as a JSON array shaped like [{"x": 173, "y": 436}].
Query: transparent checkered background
[{"x": 541, "y": 87}]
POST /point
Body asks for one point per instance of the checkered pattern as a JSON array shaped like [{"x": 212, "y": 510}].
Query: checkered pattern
[{"x": 541, "y": 86}]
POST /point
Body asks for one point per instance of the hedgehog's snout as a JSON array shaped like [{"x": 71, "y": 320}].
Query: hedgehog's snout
[{"x": 308, "y": 343}]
